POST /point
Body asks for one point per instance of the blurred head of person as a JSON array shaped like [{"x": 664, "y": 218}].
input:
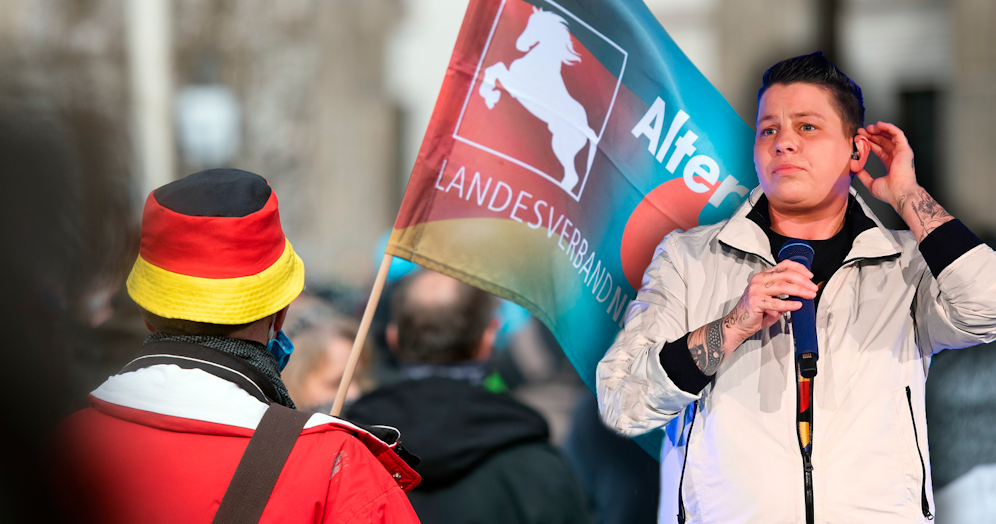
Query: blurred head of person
[
  {"x": 66, "y": 248},
  {"x": 438, "y": 320},
  {"x": 214, "y": 260},
  {"x": 806, "y": 147},
  {"x": 322, "y": 342}
]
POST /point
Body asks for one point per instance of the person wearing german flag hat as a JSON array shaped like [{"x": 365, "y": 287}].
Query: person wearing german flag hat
[{"x": 199, "y": 427}]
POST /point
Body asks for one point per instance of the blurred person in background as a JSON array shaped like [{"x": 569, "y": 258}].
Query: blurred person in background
[
  {"x": 167, "y": 439},
  {"x": 525, "y": 359},
  {"x": 384, "y": 363},
  {"x": 322, "y": 341},
  {"x": 485, "y": 456},
  {"x": 66, "y": 219}
]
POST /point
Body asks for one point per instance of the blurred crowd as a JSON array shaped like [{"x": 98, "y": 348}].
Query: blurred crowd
[
  {"x": 481, "y": 392},
  {"x": 71, "y": 237},
  {"x": 70, "y": 247}
]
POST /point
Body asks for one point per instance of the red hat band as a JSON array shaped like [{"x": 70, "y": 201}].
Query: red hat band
[{"x": 211, "y": 246}]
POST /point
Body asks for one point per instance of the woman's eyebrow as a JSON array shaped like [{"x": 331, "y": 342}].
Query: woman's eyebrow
[{"x": 807, "y": 114}]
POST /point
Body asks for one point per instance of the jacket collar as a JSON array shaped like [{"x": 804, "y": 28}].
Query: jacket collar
[
  {"x": 743, "y": 234},
  {"x": 213, "y": 361}
]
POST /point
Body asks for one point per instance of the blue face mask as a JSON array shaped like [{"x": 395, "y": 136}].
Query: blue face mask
[{"x": 281, "y": 348}]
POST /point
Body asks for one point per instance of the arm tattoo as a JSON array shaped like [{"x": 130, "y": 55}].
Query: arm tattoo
[
  {"x": 707, "y": 348},
  {"x": 930, "y": 214}
]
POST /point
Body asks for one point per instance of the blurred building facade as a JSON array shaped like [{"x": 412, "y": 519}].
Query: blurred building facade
[
  {"x": 316, "y": 122},
  {"x": 306, "y": 77},
  {"x": 331, "y": 98}
]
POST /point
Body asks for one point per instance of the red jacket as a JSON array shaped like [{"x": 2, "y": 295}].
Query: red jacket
[{"x": 161, "y": 444}]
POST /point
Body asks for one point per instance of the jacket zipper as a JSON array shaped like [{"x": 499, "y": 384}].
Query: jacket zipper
[
  {"x": 688, "y": 447},
  {"x": 924, "y": 505},
  {"x": 807, "y": 460},
  {"x": 808, "y": 483}
]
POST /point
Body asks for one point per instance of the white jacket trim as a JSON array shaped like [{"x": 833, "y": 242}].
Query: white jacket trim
[{"x": 193, "y": 394}]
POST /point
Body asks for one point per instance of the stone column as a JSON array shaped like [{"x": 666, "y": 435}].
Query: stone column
[
  {"x": 316, "y": 121},
  {"x": 972, "y": 183}
]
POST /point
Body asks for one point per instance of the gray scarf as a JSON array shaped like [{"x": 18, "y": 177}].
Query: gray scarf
[{"x": 254, "y": 353}]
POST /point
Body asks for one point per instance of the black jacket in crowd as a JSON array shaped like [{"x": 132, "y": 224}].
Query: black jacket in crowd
[{"x": 485, "y": 457}]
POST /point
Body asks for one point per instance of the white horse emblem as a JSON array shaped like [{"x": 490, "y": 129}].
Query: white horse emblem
[{"x": 536, "y": 82}]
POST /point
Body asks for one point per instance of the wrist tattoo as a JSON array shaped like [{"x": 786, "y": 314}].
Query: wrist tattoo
[
  {"x": 739, "y": 316},
  {"x": 707, "y": 346},
  {"x": 930, "y": 214}
]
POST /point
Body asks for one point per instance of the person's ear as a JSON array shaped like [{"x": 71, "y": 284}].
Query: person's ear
[
  {"x": 859, "y": 154},
  {"x": 391, "y": 334},
  {"x": 150, "y": 327},
  {"x": 487, "y": 342},
  {"x": 278, "y": 322}
]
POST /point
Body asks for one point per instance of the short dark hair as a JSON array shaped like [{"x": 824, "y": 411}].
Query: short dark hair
[
  {"x": 440, "y": 332},
  {"x": 815, "y": 69},
  {"x": 180, "y": 327}
]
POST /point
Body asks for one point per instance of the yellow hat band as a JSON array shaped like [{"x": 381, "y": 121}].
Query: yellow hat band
[{"x": 227, "y": 301}]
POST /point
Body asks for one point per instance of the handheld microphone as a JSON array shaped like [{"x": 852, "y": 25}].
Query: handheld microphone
[{"x": 807, "y": 351}]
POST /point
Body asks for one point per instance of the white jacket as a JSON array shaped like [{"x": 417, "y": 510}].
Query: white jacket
[{"x": 880, "y": 318}]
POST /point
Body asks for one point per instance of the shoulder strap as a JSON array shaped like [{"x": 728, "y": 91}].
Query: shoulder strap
[{"x": 260, "y": 466}]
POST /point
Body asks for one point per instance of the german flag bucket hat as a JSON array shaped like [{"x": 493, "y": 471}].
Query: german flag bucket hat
[{"x": 213, "y": 251}]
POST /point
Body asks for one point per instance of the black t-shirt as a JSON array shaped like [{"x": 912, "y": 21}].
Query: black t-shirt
[
  {"x": 830, "y": 256},
  {"x": 829, "y": 253}
]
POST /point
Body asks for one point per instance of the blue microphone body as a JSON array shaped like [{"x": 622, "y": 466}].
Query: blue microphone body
[{"x": 807, "y": 350}]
